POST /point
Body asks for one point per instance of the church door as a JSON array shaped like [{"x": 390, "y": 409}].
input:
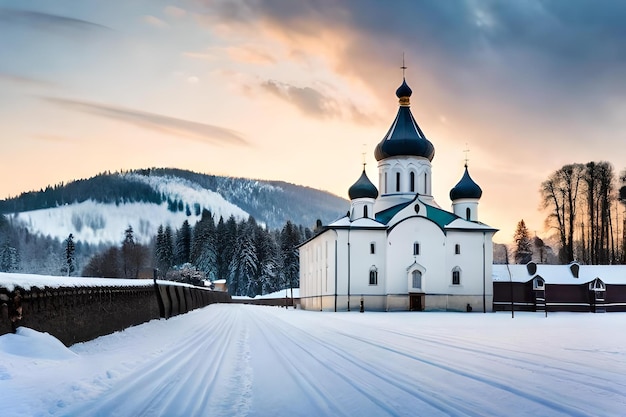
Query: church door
[{"x": 416, "y": 302}]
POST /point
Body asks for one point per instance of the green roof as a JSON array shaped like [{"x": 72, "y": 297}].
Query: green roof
[
  {"x": 439, "y": 216},
  {"x": 386, "y": 215}
]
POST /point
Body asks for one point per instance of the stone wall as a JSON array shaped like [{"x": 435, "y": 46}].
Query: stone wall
[{"x": 77, "y": 314}]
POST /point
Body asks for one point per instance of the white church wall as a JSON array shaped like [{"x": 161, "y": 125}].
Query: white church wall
[
  {"x": 363, "y": 261},
  {"x": 400, "y": 254}
]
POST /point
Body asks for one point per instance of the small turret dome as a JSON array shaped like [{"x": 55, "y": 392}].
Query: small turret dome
[
  {"x": 404, "y": 90},
  {"x": 466, "y": 188},
  {"x": 363, "y": 188},
  {"x": 404, "y": 138}
]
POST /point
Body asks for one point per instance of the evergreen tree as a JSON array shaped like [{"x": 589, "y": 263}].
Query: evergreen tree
[
  {"x": 128, "y": 247},
  {"x": 9, "y": 258},
  {"x": 267, "y": 258},
  {"x": 248, "y": 260},
  {"x": 203, "y": 250},
  {"x": 70, "y": 260},
  {"x": 226, "y": 248},
  {"x": 183, "y": 244},
  {"x": 164, "y": 252},
  {"x": 523, "y": 245},
  {"x": 289, "y": 239}
]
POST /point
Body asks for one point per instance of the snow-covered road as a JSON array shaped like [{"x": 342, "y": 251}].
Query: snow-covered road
[{"x": 239, "y": 360}]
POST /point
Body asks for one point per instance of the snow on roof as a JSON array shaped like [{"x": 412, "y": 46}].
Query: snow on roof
[
  {"x": 561, "y": 274},
  {"x": 26, "y": 281},
  {"x": 464, "y": 224}
]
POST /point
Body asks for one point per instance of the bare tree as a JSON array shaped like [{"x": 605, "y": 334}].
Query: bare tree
[{"x": 560, "y": 194}]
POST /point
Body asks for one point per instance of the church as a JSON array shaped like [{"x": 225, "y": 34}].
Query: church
[{"x": 396, "y": 249}]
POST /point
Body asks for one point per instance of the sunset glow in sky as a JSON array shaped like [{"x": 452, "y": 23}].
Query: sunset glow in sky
[{"x": 299, "y": 91}]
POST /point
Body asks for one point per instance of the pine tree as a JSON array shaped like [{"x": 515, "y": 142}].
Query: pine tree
[
  {"x": 163, "y": 249},
  {"x": 9, "y": 258},
  {"x": 203, "y": 251},
  {"x": 289, "y": 239},
  {"x": 523, "y": 245},
  {"x": 183, "y": 244},
  {"x": 128, "y": 247},
  {"x": 70, "y": 259}
]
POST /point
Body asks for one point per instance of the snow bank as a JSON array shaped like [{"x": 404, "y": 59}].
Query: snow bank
[{"x": 33, "y": 344}]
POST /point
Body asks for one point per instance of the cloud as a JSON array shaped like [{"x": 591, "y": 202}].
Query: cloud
[
  {"x": 155, "y": 22},
  {"x": 47, "y": 21},
  {"x": 174, "y": 11},
  {"x": 56, "y": 139},
  {"x": 306, "y": 99},
  {"x": 170, "y": 125},
  {"x": 24, "y": 80}
]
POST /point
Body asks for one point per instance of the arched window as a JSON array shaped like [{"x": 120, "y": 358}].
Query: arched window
[
  {"x": 365, "y": 211},
  {"x": 416, "y": 248},
  {"x": 412, "y": 182},
  {"x": 416, "y": 278},
  {"x": 456, "y": 276},
  {"x": 373, "y": 276},
  {"x": 457, "y": 249},
  {"x": 397, "y": 182},
  {"x": 468, "y": 213},
  {"x": 425, "y": 183},
  {"x": 372, "y": 248}
]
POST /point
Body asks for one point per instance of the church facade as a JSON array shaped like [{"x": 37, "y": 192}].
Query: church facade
[{"x": 396, "y": 248}]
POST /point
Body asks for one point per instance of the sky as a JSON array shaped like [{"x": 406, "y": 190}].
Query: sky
[
  {"x": 242, "y": 360},
  {"x": 302, "y": 91}
]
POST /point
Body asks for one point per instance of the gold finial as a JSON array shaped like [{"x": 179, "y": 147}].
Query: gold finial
[{"x": 403, "y": 67}]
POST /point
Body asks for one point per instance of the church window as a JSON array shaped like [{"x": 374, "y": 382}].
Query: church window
[
  {"x": 456, "y": 276},
  {"x": 397, "y": 181},
  {"x": 373, "y": 276},
  {"x": 412, "y": 182},
  {"x": 416, "y": 248},
  {"x": 365, "y": 212},
  {"x": 372, "y": 248},
  {"x": 416, "y": 279},
  {"x": 457, "y": 249},
  {"x": 425, "y": 183},
  {"x": 468, "y": 213}
]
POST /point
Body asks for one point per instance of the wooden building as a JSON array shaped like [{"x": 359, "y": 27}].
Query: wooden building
[{"x": 573, "y": 287}]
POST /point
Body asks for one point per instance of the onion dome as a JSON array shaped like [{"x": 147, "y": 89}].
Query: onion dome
[
  {"x": 404, "y": 136},
  {"x": 466, "y": 188},
  {"x": 363, "y": 188}
]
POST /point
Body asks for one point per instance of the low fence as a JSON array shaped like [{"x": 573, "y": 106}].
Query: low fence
[
  {"x": 80, "y": 313},
  {"x": 277, "y": 302}
]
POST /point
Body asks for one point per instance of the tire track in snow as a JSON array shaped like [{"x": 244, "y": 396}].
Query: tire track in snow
[
  {"x": 545, "y": 369},
  {"x": 555, "y": 406},
  {"x": 182, "y": 381},
  {"x": 305, "y": 342}
]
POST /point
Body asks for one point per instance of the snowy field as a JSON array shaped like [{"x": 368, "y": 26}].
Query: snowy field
[{"x": 242, "y": 360}]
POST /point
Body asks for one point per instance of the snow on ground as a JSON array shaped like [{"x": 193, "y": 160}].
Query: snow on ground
[{"x": 243, "y": 360}]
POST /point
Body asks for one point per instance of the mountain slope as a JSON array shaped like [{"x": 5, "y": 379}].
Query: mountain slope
[{"x": 99, "y": 209}]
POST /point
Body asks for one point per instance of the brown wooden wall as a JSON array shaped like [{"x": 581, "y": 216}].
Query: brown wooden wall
[{"x": 79, "y": 314}]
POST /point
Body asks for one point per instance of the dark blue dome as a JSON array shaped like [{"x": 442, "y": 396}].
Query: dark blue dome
[
  {"x": 363, "y": 188},
  {"x": 466, "y": 188},
  {"x": 404, "y": 136},
  {"x": 404, "y": 90}
]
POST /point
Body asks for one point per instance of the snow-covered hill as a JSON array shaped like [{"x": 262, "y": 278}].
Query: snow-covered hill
[{"x": 98, "y": 210}]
